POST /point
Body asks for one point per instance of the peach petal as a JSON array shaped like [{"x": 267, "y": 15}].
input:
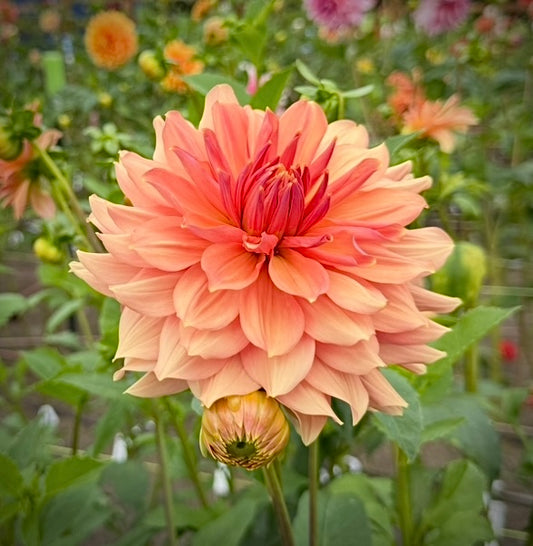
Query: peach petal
[
  {"x": 307, "y": 119},
  {"x": 138, "y": 335},
  {"x": 400, "y": 313},
  {"x": 328, "y": 323},
  {"x": 132, "y": 364},
  {"x": 409, "y": 354},
  {"x": 431, "y": 301},
  {"x": 42, "y": 203},
  {"x": 270, "y": 319},
  {"x": 181, "y": 133},
  {"x": 222, "y": 343},
  {"x": 297, "y": 275},
  {"x": 222, "y": 93},
  {"x": 358, "y": 296},
  {"x": 382, "y": 396},
  {"x": 378, "y": 208},
  {"x": 230, "y": 380},
  {"x": 309, "y": 426},
  {"x": 347, "y": 387},
  {"x": 150, "y": 387},
  {"x": 200, "y": 308},
  {"x": 279, "y": 374},
  {"x": 306, "y": 399},
  {"x": 94, "y": 282},
  {"x": 119, "y": 246},
  {"x": 163, "y": 243},
  {"x": 148, "y": 293},
  {"x": 355, "y": 359},
  {"x": 427, "y": 333},
  {"x": 229, "y": 266}
]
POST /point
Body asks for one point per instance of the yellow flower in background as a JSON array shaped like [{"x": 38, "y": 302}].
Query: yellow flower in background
[{"x": 111, "y": 39}]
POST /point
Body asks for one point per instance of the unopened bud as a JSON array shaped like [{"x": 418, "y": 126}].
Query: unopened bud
[
  {"x": 151, "y": 65},
  {"x": 463, "y": 273},
  {"x": 247, "y": 431},
  {"x": 46, "y": 251}
]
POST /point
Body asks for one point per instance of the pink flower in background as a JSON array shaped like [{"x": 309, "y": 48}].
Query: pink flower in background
[
  {"x": 337, "y": 15},
  {"x": 21, "y": 180},
  {"x": 266, "y": 252},
  {"x": 438, "y": 16}
]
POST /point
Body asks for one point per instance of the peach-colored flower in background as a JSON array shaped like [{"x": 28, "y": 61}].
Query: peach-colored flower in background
[
  {"x": 111, "y": 39},
  {"x": 266, "y": 252},
  {"x": 214, "y": 31},
  {"x": 21, "y": 183},
  {"x": 439, "y": 120},
  {"x": 407, "y": 91},
  {"x": 183, "y": 62},
  {"x": 201, "y": 8}
]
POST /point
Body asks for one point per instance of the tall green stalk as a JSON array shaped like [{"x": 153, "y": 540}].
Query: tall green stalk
[
  {"x": 278, "y": 501},
  {"x": 189, "y": 457},
  {"x": 313, "y": 494},
  {"x": 403, "y": 497},
  {"x": 165, "y": 475}
]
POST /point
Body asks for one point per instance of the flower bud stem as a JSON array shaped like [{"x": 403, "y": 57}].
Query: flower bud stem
[{"x": 278, "y": 501}]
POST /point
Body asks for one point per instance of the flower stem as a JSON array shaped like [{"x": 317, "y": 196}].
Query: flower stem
[
  {"x": 65, "y": 189},
  {"x": 167, "y": 486},
  {"x": 403, "y": 497},
  {"x": 313, "y": 493},
  {"x": 471, "y": 369},
  {"x": 278, "y": 501},
  {"x": 188, "y": 453},
  {"x": 77, "y": 424}
]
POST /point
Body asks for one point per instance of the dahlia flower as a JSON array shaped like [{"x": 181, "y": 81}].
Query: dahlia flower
[
  {"x": 439, "y": 120},
  {"x": 338, "y": 15},
  {"x": 21, "y": 180},
  {"x": 111, "y": 39},
  {"x": 438, "y": 16},
  {"x": 269, "y": 253},
  {"x": 181, "y": 58}
]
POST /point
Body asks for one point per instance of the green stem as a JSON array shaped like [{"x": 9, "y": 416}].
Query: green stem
[
  {"x": 89, "y": 237},
  {"x": 165, "y": 476},
  {"x": 188, "y": 453},
  {"x": 77, "y": 424},
  {"x": 471, "y": 369},
  {"x": 313, "y": 493},
  {"x": 278, "y": 501},
  {"x": 403, "y": 497}
]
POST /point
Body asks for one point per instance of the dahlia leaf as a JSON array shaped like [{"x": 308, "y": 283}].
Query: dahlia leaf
[
  {"x": 473, "y": 326},
  {"x": 204, "y": 82},
  {"x": 404, "y": 430},
  {"x": 342, "y": 519},
  {"x": 269, "y": 94}
]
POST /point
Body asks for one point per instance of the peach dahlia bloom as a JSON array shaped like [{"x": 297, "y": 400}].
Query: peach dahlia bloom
[
  {"x": 21, "y": 180},
  {"x": 266, "y": 252},
  {"x": 439, "y": 120}
]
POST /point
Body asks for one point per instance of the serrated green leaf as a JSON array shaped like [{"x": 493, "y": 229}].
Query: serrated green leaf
[
  {"x": 404, "y": 430},
  {"x": 11, "y": 304},
  {"x": 11, "y": 481},
  {"x": 129, "y": 483},
  {"x": 203, "y": 83},
  {"x": 471, "y": 327},
  {"x": 73, "y": 471},
  {"x": 269, "y": 94},
  {"x": 440, "y": 429}
]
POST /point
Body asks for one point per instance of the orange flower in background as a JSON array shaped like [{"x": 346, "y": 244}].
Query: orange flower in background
[
  {"x": 111, "y": 39},
  {"x": 267, "y": 252},
  {"x": 181, "y": 58},
  {"x": 407, "y": 92},
  {"x": 439, "y": 120},
  {"x": 201, "y": 8},
  {"x": 21, "y": 181}
]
